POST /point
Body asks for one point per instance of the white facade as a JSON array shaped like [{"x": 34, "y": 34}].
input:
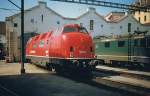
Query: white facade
[{"x": 42, "y": 19}]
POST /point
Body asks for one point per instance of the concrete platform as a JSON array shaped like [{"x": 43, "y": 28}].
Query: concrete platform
[
  {"x": 137, "y": 74},
  {"x": 130, "y": 81},
  {"x": 40, "y": 82},
  {"x": 14, "y": 69}
]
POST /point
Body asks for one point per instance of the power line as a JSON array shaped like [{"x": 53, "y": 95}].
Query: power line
[
  {"x": 7, "y": 9},
  {"x": 14, "y": 4},
  {"x": 107, "y": 4}
]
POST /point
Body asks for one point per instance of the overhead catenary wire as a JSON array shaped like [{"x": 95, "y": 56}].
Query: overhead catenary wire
[
  {"x": 108, "y": 4},
  {"x": 14, "y": 4},
  {"x": 8, "y": 9}
]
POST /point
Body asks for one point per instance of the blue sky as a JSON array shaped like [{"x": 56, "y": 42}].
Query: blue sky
[{"x": 65, "y": 9}]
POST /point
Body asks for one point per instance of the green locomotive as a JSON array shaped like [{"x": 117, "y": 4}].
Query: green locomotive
[{"x": 115, "y": 51}]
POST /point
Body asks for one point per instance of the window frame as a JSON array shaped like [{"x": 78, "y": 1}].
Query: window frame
[
  {"x": 15, "y": 24},
  {"x": 121, "y": 43},
  {"x": 145, "y": 19},
  {"x": 107, "y": 44},
  {"x": 129, "y": 27},
  {"x": 42, "y": 18},
  {"x": 91, "y": 24}
]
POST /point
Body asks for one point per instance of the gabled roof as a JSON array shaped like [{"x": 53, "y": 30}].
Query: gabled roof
[
  {"x": 114, "y": 12},
  {"x": 115, "y": 16},
  {"x": 32, "y": 8},
  {"x": 76, "y": 17},
  {"x": 87, "y": 12},
  {"x": 27, "y": 10}
]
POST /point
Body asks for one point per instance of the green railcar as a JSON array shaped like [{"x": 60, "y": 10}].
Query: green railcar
[{"x": 118, "y": 49}]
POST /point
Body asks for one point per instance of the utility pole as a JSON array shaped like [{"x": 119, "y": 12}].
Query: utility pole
[
  {"x": 129, "y": 43},
  {"x": 22, "y": 34},
  {"x": 22, "y": 38}
]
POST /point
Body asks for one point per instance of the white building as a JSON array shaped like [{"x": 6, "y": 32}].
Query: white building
[
  {"x": 2, "y": 32},
  {"x": 40, "y": 19},
  {"x": 2, "y": 37}
]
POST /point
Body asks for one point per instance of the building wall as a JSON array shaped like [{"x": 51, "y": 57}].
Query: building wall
[
  {"x": 2, "y": 28},
  {"x": 41, "y": 19},
  {"x": 142, "y": 17},
  {"x": 2, "y": 38},
  {"x": 2, "y": 32}
]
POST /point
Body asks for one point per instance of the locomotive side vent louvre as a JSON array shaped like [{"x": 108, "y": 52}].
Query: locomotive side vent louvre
[
  {"x": 71, "y": 49},
  {"x": 71, "y": 52},
  {"x": 34, "y": 45},
  {"x": 41, "y": 44},
  {"x": 91, "y": 49},
  {"x": 47, "y": 42}
]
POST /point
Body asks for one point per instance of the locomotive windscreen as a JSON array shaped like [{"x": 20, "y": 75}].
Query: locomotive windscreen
[
  {"x": 70, "y": 29},
  {"x": 74, "y": 29}
]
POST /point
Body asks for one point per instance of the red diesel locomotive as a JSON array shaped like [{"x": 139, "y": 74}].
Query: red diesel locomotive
[{"x": 69, "y": 48}]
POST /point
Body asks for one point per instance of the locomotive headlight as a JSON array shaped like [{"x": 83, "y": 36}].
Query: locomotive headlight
[
  {"x": 64, "y": 37},
  {"x": 71, "y": 52}
]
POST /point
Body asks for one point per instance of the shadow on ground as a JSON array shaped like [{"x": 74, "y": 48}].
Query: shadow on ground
[{"x": 52, "y": 84}]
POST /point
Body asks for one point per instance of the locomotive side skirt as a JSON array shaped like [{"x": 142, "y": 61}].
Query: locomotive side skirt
[{"x": 71, "y": 65}]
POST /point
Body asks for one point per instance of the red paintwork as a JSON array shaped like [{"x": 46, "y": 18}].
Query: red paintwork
[{"x": 58, "y": 45}]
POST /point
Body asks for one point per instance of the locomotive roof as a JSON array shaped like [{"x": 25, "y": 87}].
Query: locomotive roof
[
  {"x": 117, "y": 39},
  {"x": 59, "y": 30},
  {"x": 55, "y": 32}
]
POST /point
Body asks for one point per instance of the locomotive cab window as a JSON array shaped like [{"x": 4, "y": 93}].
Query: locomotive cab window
[
  {"x": 70, "y": 29},
  {"x": 107, "y": 44},
  {"x": 136, "y": 42},
  {"x": 121, "y": 43},
  {"x": 143, "y": 42},
  {"x": 148, "y": 42}
]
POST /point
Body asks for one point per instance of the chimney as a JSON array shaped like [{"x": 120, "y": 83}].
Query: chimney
[
  {"x": 42, "y": 3},
  {"x": 91, "y": 9}
]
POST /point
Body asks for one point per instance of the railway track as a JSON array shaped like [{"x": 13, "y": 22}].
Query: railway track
[
  {"x": 117, "y": 80},
  {"x": 124, "y": 72},
  {"x": 131, "y": 85}
]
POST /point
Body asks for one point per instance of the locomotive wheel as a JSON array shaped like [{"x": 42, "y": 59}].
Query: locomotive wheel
[
  {"x": 50, "y": 67},
  {"x": 59, "y": 69}
]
